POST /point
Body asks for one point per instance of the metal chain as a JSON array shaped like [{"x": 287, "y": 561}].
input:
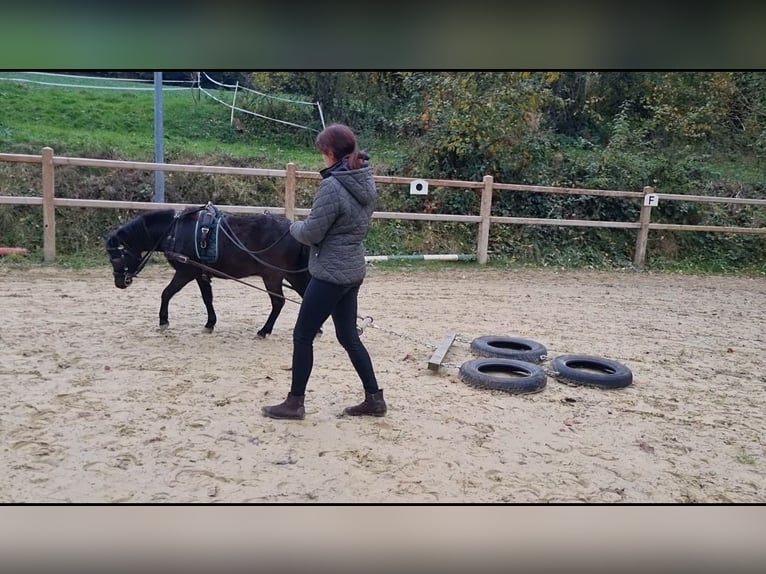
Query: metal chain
[
  {"x": 451, "y": 365},
  {"x": 458, "y": 338},
  {"x": 431, "y": 346},
  {"x": 403, "y": 336}
]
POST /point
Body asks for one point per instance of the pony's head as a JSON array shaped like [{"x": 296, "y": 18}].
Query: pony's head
[{"x": 125, "y": 262}]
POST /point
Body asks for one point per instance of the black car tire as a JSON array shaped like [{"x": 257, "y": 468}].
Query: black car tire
[
  {"x": 516, "y": 348},
  {"x": 591, "y": 370},
  {"x": 492, "y": 374}
]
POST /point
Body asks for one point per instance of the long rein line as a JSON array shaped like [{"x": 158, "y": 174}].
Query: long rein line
[
  {"x": 184, "y": 259},
  {"x": 229, "y": 232},
  {"x": 235, "y": 240},
  {"x": 366, "y": 320}
]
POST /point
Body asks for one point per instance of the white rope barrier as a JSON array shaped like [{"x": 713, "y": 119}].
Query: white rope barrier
[
  {"x": 194, "y": 83},
  {"x": 239, "y": 87},
  {"x": 244, "y": 111},
  {"x": 281, "y": 99},
  {"x": 87, "y": 86}
]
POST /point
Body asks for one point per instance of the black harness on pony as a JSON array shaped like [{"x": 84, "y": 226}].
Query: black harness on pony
[
  {"x": 193, "y": 232},
  {"x": 198, "y": 235}
]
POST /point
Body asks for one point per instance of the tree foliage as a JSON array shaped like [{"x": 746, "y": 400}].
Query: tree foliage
[
  {"x": 511, "y": 124},
  {"x": 595, "y": 129},
  {"x": 475, "y": 123}
]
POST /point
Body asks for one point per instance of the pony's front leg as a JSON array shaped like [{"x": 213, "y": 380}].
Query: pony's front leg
[
  {"x": 206, "y": 288},
  {"x": 176, "y": 284}
]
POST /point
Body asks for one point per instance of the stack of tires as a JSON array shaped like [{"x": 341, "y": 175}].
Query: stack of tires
[{"x": 513, "y": 365}]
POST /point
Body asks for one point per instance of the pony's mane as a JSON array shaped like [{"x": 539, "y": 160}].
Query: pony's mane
[
  {"x": 161, "y": 215},
  {"x": 139, "y": 224}
]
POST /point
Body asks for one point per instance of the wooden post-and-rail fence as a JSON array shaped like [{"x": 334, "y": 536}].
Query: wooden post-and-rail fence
[{"x": 485, "y": 219}]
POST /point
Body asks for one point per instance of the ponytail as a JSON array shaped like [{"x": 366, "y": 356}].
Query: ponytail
[
  {"x": 340, "y": 142},
  {"x": 357, "y": 159}
]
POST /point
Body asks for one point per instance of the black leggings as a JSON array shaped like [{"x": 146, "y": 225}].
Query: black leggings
[{"x": 322, "y": 300}]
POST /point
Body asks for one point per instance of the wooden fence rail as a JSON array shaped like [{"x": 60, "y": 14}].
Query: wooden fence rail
[{"x": 485, "y": 219}]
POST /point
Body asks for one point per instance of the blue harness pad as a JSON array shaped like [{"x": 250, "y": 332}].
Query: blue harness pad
[{"x": 206, "y": 234}]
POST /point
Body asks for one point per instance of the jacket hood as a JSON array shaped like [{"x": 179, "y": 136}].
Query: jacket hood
[{"x": 358, "y": 182}]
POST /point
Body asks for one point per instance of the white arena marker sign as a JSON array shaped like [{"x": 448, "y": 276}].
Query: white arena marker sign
[{"x": 418, "y": 187}]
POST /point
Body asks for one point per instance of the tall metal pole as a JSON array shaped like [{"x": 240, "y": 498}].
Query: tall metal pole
[{"x": 159, "y": 153}]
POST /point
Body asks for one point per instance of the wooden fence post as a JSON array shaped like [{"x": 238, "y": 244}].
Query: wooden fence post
[
  {"x": 485, "y": 211},
  {"x": 49, "y": 210},
  {"x": 290, "y": 186},
  {"x": 643, "y": 231}
]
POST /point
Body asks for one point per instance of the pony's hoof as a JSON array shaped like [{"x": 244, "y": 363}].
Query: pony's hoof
[
  {"x": 262, "y": 335},
  {"x": 207, "y": 329},
  {"x": 164, "y": 327}
]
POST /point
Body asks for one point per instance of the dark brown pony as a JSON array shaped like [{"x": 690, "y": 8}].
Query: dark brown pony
[{"x": 202, "y": 243}]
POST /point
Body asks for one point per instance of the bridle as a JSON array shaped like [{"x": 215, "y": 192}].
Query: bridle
[
  {"x": 117, "y": 256},
  {"x": 122, "y": 259},
  {"x": 120, "y": 255}
]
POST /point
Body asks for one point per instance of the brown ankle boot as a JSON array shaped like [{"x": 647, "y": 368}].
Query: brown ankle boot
[
  {"x": 292, "y": 408},
  {"x": 373, "y": 405}
]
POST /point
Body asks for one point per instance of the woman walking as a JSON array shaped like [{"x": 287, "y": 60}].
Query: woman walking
[{"x": 335, "y": 229}]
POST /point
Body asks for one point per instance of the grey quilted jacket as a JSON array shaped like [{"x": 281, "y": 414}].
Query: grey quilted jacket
[{"x": 338, "y": 223}]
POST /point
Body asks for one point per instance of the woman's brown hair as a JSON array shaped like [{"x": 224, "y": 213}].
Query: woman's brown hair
[{"x": 339, "y": 141}]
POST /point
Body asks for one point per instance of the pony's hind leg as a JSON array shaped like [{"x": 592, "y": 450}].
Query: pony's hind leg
[
  {"x": 177, "y": 283},
  {"x": 206, "y": 288},
  {"x": 276, "y": 294},
  {"x": 300, "y": 283}
]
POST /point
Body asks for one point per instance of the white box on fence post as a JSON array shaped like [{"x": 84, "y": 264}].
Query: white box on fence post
[{"x": 418, "y": 187}]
